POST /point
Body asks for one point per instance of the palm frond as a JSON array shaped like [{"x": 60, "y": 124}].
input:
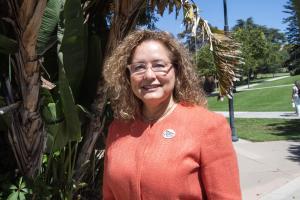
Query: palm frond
[{"x": 225, "y": 50}]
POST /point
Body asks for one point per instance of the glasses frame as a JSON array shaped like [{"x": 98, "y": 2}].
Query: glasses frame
[{"x": 168, "y": 66}]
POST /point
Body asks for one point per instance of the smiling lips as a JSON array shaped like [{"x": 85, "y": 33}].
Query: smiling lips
[{"x": 149, "y": 87}]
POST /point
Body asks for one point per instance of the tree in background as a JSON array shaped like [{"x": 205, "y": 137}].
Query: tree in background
[
  {"x": 206, "y": 67},
  {"x": 272, "y": 34},
  {"x": 274, "y": 59},
  {"x": 254, "y": 43},
  {"x": 293, "y": 36},
  {"x": 263, "y": 47}
]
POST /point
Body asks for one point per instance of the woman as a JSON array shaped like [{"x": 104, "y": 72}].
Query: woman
[{"x": 163, "y": 143}]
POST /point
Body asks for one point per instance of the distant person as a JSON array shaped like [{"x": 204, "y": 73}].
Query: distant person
[
  {"x": 296, "y": 97},
  {"x": 163, "y": 142}
]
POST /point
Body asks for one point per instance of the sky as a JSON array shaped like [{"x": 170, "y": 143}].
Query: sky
[{"x": 264, "y": 12}]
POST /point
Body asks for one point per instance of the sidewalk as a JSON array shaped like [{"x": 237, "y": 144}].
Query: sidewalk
[
  {"x": 280, "y": 115},
  {"x": 245, "y": 87},
  {"x": 269, "y": 170}
]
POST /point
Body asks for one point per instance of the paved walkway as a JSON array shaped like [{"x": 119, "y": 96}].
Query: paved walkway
[
  {"x": 269, "y": 170},
  {"x": 280, "y": 115},
  {"x": 245, "y": 87}
]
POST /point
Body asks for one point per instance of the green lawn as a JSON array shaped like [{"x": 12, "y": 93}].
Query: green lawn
[
  {"x": 259, "y": 130},
  {"x": 267, "y": 99},
  {"x": 272, "y": 99}
]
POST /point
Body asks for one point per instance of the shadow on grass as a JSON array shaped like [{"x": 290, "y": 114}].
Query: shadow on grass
[{"x": 289, "y": 129}]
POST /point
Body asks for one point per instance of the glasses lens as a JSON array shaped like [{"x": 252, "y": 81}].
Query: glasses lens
[
  {"x": 138, "y": 67},
  {"x": 157, "y": 66}
]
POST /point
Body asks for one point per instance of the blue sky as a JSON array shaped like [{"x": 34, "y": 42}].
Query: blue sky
[{"x": 264, "y": 12}]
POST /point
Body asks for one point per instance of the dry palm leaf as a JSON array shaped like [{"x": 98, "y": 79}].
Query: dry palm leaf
[
  {"x": 226, "y": 55},
  {"x": 225, "y": 50}
]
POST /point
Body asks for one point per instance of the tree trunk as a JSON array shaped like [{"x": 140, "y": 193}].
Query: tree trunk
[{"x": 27, "y": 135}]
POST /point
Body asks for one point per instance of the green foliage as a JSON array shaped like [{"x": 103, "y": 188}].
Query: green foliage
[
  {"x": 262, "y": 47},
  {"x": 47, "y": 33},
  {"x": 55, "y": 180},
  {"x": 272, "y": 35},
  {"x": 7, "y": 45},
  {"x": 73, "y": 45},
  {"x": 292, "y": 8},
  {"x": 273, "y": 60},
  {"x": 19, "y": 191},
  {"x": 254, "y": 44},
  {"x": 293, "y": 29},
  {"x": 205, "y": 61},
  {"x": 59, "y": 109}
]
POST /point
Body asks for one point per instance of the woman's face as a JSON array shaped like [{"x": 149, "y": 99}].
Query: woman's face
[{"x": 154, "y": 84}]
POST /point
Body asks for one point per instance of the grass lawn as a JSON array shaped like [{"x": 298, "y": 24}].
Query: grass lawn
[
  {"x": 259, "y": 130},
  {"x": 271, "y": 99},
  {"x": 267, "y": 99}
]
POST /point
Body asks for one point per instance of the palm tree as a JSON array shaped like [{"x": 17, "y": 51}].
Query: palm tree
[{"x": 26, "y": 133}]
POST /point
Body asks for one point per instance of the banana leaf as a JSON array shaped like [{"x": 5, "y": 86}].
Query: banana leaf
[
  {"x": 47, "y": 34},
  {"x": 8, "y": 45},
  {"x": 73, "y": 45},
  {"x": 93, "y": 71},
  {"x": 73, "y": 124}
]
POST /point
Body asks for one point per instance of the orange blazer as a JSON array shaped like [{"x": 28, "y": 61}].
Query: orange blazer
[{"x": 187, "y": 155}]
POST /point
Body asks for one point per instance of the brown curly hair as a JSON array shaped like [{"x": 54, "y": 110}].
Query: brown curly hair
[{"x": 117, "y": 78}]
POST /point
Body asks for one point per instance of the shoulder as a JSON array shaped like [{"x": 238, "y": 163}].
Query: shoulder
[
  {"x": 117, "y": 124},
  {"x": 201, "y": 115},
  {"x": 209, "y": 127},
  {"x": 116, "y": 129}
]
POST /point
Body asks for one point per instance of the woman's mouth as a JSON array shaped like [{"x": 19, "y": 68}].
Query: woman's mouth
[{"x": 150, "y": 87}]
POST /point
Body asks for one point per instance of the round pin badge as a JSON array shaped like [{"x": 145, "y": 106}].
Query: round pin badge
[{"x": 169, "y": 133}]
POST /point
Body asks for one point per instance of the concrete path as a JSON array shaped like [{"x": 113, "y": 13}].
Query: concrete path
[
  {"x": 279, "y": 115},
  {"x": 269, "y": 170},
  {"x": 262, "y": 88},
  {"x": 245, "y": 87}
]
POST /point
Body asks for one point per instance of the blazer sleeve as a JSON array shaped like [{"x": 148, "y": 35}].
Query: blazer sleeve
[
  {"x": 106, "y": 190},
  {"x": 218, "y": 162}
]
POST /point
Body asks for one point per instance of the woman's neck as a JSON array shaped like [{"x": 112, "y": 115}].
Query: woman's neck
[{"x": 152, "y": 112}]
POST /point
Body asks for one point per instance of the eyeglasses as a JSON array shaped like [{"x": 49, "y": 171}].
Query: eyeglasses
[{"x": 158, "y": 67}]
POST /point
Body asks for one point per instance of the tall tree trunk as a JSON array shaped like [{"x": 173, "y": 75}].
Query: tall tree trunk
[{"x": 27, "y": 135}]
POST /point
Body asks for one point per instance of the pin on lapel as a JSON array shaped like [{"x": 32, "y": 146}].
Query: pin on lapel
[{"x": 169, "y": 133}]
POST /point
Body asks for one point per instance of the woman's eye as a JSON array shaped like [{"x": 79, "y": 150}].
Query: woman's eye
[
  {"x": 158, "y": 65},
  {"x": 139, "y": 67}
]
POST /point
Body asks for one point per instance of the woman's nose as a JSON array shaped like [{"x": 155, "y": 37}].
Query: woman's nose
[{"x": 149, "y": 74}]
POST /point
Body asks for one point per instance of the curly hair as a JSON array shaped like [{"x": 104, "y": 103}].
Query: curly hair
[{"x": 125, "y": 104}]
